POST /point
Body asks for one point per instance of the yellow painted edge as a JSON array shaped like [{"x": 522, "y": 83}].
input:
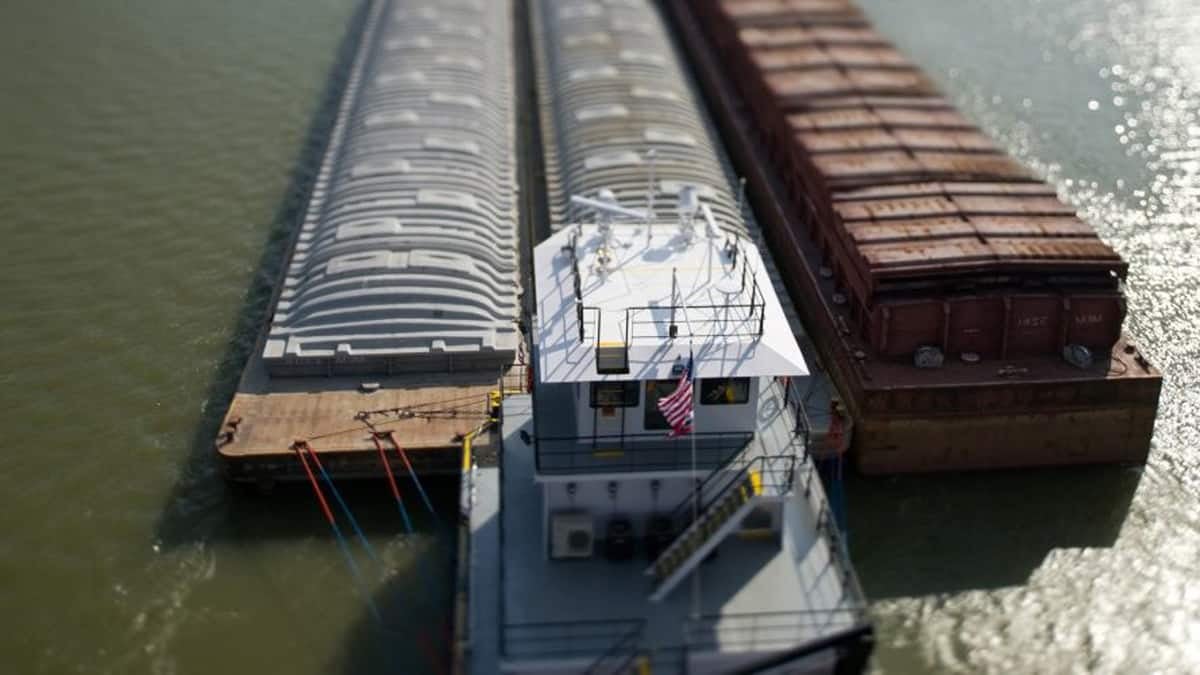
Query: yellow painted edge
[
  {"x": 756, "y": 482},
  {"x": 466, "y": 463},
  {"x": 608, "y": 454},
  {"x": 643, "y": 665},
  {"x": 610, "y": 343},
  {"x": 756, "y": 534}
]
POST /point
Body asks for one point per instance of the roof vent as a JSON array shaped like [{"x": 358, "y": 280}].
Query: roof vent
[
  {"x": 593, "y": 73},
  {"x": 603, "y": 111},
  {"x": 469, "y": 62},
  {"x": 451, "y": 144},
  {"x": 670, "y": 136},
  {"x": 610, "y": 159},
  {"x": 457, "y": 200},
  {"x": 448, "y": 98},
  {"x": 396, "y": 117},
  {"x": 380, "y": 168},
  {"x": 656, "y": 94},
  {"x": 379, "y": 227}
]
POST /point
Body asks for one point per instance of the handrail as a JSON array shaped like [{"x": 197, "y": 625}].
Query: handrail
[
  {"x": 755, "y": 307},
  {"x": 794, "y": 400},
  {"x": 566, "y": 639},
  {"x": 827, "y": 526},
  {"x": 763, "y": 630},
  {"x": 646, "y": 452},
  {"x": 683, "y": 510}
]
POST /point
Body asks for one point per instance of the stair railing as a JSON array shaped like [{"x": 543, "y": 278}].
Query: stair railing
[{"x": 780, "y": 468}]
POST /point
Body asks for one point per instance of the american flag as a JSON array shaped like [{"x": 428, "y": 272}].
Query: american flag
[{"x": 676, "y": 407}]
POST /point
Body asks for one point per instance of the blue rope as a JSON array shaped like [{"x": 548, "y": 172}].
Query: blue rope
[
  {"x": 337, "y": 533},
  {"x": 358, "y": 580},
  {"x": 404, "y": 514},
  {"x": 349, "y": 515},
  {"x": 416, "y": 481}
]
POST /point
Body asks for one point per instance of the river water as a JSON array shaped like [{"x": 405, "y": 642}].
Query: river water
[{"x": 150, "y": 152}]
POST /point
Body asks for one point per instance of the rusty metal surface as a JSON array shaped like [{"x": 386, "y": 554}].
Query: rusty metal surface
[
  {"x": 913, "y": 419},
  {"x": 907, "y": 197},
  {"x": 857, "y": 115}
]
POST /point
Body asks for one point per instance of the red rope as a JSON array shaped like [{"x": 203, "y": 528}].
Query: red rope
[
  {"x": 299, "y": 447},
  {"x": 386, "y": 466},
  {"x": 411, "y": 473}
]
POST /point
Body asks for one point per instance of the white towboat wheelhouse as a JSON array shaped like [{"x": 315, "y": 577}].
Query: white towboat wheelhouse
[{"x": 624, "y": 544}]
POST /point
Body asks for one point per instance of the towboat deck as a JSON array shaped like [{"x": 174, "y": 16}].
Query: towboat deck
[{"x": 756, "y": 594}]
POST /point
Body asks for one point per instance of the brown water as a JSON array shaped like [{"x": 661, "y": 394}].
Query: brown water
[{"x": 148, "y": 152}]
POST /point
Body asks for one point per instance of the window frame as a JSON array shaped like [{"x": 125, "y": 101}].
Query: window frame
[
  {"x": 626, "y": 386},
  {"x": 726, "y": 383}
]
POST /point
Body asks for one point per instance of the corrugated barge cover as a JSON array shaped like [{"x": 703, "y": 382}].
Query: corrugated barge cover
[
  {"x": 620, "y": 92},
  {"x": 406, "y": 260}
]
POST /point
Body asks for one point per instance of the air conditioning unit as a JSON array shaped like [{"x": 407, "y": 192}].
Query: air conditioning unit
[{"x": 571, "y": 535}]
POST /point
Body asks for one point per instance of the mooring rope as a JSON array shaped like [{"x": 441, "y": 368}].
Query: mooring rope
[
  {"x": 387, "y": 471},
  {"x": 362, "y": 538},
  {"x": 337, "y": 533},
  {"x": 413, "y": 474}
]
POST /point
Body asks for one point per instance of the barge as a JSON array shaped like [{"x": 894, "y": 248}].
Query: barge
[
  {"x": 397, "y": 314},
  {"x": 969, "y": 316}
]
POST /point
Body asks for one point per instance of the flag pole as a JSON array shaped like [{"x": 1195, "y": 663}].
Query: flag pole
[{"x": 695, "y": 490}]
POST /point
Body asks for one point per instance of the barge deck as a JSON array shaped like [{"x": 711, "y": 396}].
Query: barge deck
[{"x": 339, "y": 417}]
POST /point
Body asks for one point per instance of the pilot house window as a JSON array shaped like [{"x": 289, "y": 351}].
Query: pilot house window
[
  {"x": 725, "y": 391},
  {"x": 614, "y": 394},
  {"x": 656, "y": 389}
]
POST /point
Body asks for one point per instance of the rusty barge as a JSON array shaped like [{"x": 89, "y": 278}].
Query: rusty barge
[{"x": 971, "y": 319}]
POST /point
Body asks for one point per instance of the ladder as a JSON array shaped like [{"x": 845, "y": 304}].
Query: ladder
[{"x": 733, "y": 497}]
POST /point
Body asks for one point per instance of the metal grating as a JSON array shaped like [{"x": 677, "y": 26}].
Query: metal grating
[{"x": 406, "y": 259}]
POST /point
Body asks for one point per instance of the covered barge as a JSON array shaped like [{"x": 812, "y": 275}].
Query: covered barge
[
  {"x": 396, "y": 315},
  {"x": 971, "y": 318}
]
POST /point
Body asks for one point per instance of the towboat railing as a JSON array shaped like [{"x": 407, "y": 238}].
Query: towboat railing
[
  {"x": 571, "y": 639},
  {"x": 736, "y": 318},
  {"x": 637, "y": 452},
  {"x": 765, "y": 631},
  {"x": 795, "y": 400},
  {"x": 777, "y": 472}
]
